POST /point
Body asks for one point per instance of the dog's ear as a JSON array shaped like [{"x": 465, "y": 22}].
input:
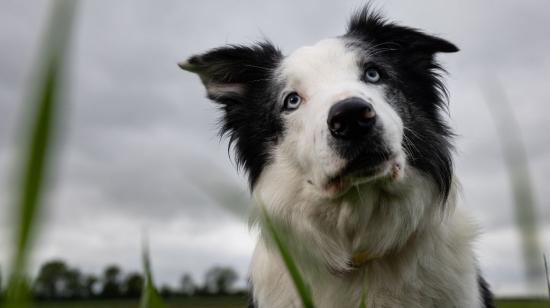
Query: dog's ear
[
  {"x": 240, "y": 79},
  {"x": 230, "y": 72},
  {"x": 370, "y": 26}
]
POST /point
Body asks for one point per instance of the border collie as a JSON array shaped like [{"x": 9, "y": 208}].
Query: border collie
[{"x": 346, "y": 145}]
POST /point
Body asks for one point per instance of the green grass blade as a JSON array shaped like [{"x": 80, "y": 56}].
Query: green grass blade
[
  {"x": 301, "y": 287},
  {"x": 364, "y": 292},
  {"x": 547, "y": 275},
  {"x": 43, "y": 101},
  {"x": 150, "y": 297}
]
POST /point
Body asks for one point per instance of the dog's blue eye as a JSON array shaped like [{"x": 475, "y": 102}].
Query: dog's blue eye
[
  {"x": 292, "y": 101},
  {"x": 372, "y": 75}
]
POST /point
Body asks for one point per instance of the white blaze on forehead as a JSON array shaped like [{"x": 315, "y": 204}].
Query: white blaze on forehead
[{"x": 327, "y": 61}]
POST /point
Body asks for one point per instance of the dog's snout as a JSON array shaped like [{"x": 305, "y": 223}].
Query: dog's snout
[{"x": 351, "y": 118}]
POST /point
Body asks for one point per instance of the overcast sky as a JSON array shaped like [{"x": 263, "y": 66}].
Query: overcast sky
[{"x": 139, "y": 150}]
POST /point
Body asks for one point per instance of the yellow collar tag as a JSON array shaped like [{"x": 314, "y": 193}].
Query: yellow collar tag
[{"x": 361, "y": 258}]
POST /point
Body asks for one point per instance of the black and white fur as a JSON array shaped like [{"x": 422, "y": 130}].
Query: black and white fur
[{"x": 389, "y": 191}]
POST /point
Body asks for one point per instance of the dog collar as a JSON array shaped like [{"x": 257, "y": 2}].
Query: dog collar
[{"x": 361, "y": 258}]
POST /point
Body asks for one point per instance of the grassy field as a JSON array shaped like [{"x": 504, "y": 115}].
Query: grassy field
[
  {"x": 523, "y": 303},
  {"x": 234, "y": 302},
  {"x": 198, "y": 302}
]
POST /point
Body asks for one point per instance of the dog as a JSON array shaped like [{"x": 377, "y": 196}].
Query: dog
[{"x": 348, "y": 152}]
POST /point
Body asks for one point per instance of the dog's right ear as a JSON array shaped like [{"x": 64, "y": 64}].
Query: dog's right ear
[{"x": 230, "y": 72}]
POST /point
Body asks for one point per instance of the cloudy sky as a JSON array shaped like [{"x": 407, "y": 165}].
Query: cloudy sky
[{"x": 139, "y": 152}]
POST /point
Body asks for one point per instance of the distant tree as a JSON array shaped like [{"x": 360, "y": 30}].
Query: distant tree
[
  {"x": 90, "y": 282},
  {"x": 187, "y": 285},
  {"x": 133, "y": 285},
  {"x": 111, "y": 282},
  {"x": 166, "y": 291},
  {"x": 220, "y": 280},
  {"x": 51, "y": 280},
  {"x": 74, "y": 284}
]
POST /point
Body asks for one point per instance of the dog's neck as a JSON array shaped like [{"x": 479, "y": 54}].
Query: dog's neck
[
  {"x": 369, "y": 222},
  {"x": 397, "y": 238}
]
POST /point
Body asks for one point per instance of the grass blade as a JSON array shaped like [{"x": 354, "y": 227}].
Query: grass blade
[
  {"x": 364, "y": 292},
  {"x": 547, "y": 275},
  {"x": 150, "y": 297},
  {"x": 301, "y": 287},
  {"x": 516, "y": 159},
  {"x": 34, "y": 166}
]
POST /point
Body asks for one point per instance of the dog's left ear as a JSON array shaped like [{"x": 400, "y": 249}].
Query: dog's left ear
[
  {"x": 230, "y": 72},
  {"x": 372, "y": 27},
  {"x": 412, "y": 40}
]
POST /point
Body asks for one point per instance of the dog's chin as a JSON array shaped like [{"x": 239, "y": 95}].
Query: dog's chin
[{"x": 363, "y": 170}]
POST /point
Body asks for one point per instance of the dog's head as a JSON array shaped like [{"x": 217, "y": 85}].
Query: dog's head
[{"x": 362, "y": 107}]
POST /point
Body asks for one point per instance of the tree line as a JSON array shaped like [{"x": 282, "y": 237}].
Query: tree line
[{"x": 57, "y": 280}]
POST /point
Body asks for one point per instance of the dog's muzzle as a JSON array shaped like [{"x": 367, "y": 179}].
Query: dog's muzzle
[
  {"x": 356, "y": 135},
  {"x": 351, "y": 118}
]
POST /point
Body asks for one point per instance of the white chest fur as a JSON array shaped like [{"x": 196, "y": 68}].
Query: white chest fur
[{"x": 426, "y": 254}]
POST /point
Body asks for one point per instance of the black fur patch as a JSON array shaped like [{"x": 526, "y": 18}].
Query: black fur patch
[
  {"x": 250, "y": 119},
  {"x": 486, "y": 295},
  {"x": 416, "y": 85},
  {"x": 251, "y": 303}
]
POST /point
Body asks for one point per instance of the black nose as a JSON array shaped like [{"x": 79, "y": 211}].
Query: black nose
[{"x": 351, "y": 118}]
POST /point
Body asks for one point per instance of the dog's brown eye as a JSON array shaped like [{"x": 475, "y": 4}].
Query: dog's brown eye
[
  {"x": 292, "y": 101},
  {"x": 372, "y": 75}
]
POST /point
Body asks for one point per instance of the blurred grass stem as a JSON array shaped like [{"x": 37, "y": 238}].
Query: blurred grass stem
[
  {"x": 515, "y": 156},
  {"x": 43, "y": 101}
]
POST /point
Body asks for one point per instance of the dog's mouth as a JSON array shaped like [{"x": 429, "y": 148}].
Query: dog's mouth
[{"x": 364, "y": 168}]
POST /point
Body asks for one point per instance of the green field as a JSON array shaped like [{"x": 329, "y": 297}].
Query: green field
[
  {"x": 233, "y": 302},
  {"x": 198, "y": 302},
  {"x": 523, "y": 303}
]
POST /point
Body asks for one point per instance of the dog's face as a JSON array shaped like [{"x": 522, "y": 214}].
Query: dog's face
[
  {"x": 341, "y": 122},
  {"x": 362, "y": 107}
]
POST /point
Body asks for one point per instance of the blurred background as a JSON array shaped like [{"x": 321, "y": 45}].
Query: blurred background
[{"x": 139, "y": 152}]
